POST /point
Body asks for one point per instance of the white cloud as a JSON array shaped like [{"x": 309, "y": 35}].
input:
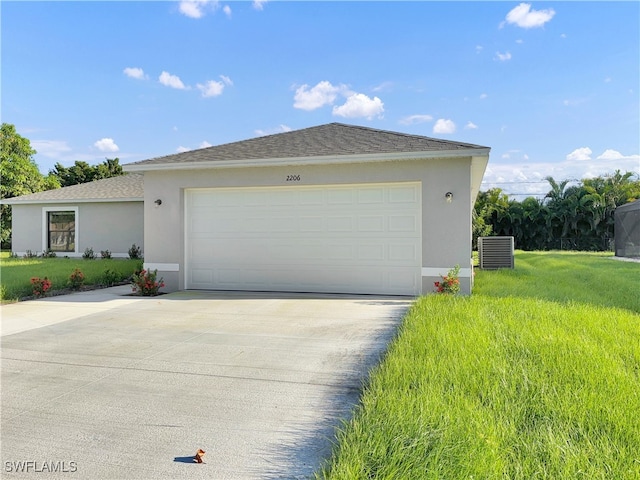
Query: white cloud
[
  {"x": 324, "y": 93},
  {"x": 517, "y": 174},
  {"x": 413, "y": 119},
  {"x": 470, "y": 126},
  {"x": 259, "y": 4},
  {"x": 51, "y": 148},
  {"x": 525, "y": 17},
  {"x": 479, "y": 48},
  {"x": 574, "y": 102},
  {"x": 106, "y": 145},
  {"x": 610, "y": 154},
  {"x": 313, "y": 98},
  {"x": 196, "y": 8},
  {"x": 227, "y": 10},
  {"x": 280, "y": 129},
  {"x": 134, "y": 72},
  {"x": 172, "y": 81},
  {"x": 581, "y": 154},
  {"x": 226, "y": 80},
  {"x": 203, "y": 144},
  {"x": 444, "y": 126},
  {"x": 503, "y": 57},
  {"x": 383, "y": 86},
  {"x": 360, "y": 105},
  {"x": 483, "y": 96},
  {"x": 211, "y": 89},
  {"x": 515, "y": 154}
]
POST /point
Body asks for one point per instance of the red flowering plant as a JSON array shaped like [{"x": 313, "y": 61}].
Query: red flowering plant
[
  {"x": 76, "y": 279},
  {"x": 40, "y": 286},
  {"x": 450, "y": 283},
  {"x": 145, "y": 283}
]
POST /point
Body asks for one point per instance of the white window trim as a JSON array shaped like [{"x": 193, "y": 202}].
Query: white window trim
[{"x": 45, "y": 225}]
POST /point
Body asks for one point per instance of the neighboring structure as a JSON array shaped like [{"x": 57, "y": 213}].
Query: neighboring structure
[
  {"x": 105, "y": 214},
  {"x": 627, "y": 230},
  {"x": 335, "y": 208}
]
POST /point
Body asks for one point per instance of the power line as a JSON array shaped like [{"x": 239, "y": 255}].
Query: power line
[
  {"x": 514, "y": 183},
  {"x": 527, "y": 194}
]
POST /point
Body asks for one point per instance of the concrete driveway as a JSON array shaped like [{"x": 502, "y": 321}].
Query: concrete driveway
[{"x": 101, "y": 385}]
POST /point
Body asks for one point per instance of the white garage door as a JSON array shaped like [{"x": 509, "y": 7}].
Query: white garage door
[{"x": 330, "y": 238}]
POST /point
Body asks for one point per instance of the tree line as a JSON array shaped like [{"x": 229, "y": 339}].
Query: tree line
[{"x": 573, "y": 215}]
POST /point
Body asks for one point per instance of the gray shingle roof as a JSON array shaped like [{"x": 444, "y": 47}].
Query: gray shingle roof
[
  {"x": 333, "y": 139},
  {"x": 127, "y": 187}
]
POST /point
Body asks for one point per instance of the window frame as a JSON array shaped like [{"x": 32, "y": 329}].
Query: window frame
[{"x": 45, "y": 227}]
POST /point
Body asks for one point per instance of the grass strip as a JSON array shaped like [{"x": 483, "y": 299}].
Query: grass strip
[{"x": 537, "y": 375}]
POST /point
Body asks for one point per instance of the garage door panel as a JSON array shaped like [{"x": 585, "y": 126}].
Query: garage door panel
[
  {"x": 342, "y": 239},
  {"x": 404, "y": 194},
  {"x": 340, "y": 224},
  {"x": 312, "y": 196},
  {"x": 371, "y": 196},
  {"x": 340, "y": 196},
  {"x": 403, "y": 223},
  {"x": 371, "y": 252},
  {"x": 371, "y": 223},
  {"x": 403, "y": 253}
]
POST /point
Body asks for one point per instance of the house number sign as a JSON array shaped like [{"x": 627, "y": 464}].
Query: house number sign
[{"x": 293, "y": 178}]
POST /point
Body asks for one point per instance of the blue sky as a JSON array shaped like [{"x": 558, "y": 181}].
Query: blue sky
[{"x": 551, "y": 87}]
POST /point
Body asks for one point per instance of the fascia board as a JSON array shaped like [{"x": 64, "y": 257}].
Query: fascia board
[
  {"x": 70, "y": 201},
  {"x": 478, "y": 169},
  {"x": 323, "y": 160}
]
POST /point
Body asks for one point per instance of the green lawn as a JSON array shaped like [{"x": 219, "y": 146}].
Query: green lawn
[
  {"x": 16, "y": 273},
  {"x": 535, "y": 376}
]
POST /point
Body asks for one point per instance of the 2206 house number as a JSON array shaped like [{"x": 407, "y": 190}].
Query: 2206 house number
[{"x": 293, "y": 178}]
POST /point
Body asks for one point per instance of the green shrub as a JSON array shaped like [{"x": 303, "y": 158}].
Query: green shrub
[
  {"x": 450, "y": 283},
  {"x": 89, "y": 254},
  {"x": 40, "y": 286},
  {"x": 146, "y": 284},
  {"x": 135, "y": 252},
  {"x": 76, "y": 279},
  {"x": 105, "y": 254},
  {"x": 110, "y": 278}
]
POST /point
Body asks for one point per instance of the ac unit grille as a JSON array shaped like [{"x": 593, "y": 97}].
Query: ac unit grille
[{"x": 495, "y": 252}]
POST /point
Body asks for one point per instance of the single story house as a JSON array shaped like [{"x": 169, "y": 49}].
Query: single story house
[
  {"x": 105, "y": 214},
  {"x": 334, "y": 208}
]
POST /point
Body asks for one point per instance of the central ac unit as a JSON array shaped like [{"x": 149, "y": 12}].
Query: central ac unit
[{"x": 495, "y": 252}]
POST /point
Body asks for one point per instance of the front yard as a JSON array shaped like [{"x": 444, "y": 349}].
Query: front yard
[
  {"x": 537, "y": 375},
  {"x": 16, "y": 273}
]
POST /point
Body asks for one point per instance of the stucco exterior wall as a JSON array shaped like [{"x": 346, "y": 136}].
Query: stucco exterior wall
[
  {"x": 112, "y": 226},
  {"x": 446, "y": 227}
]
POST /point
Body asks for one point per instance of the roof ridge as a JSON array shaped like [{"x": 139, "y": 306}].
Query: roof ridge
[{"x": 330, "y": 139}]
